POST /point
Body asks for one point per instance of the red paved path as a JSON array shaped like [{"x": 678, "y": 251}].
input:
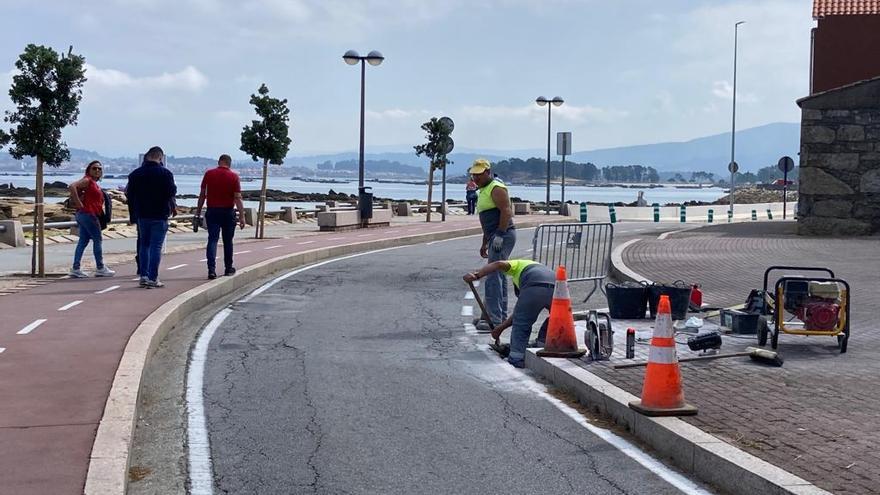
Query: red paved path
[{"x": 55, "y": 380}]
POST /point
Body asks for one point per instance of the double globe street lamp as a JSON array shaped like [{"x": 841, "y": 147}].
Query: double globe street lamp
[
  {"x": 555, "y": 102},
  {"x": 352, "y": 57}
]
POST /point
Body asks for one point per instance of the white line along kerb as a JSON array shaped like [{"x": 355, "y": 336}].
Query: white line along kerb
[
  {"x": 175, "y": 267},
  {"x": 108, "y": 289},
  {"x": 200, "y": 468}
]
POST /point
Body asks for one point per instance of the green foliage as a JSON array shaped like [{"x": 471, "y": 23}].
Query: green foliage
[
  {"x": 515, "y": 169},
  {"x": 436, "y": 135},
  {"x": 267, "y": 139},
  {"x": 771, "y": 173},
  {"x": 46, "y": 93},
  {"x": 632, "y": 173}
]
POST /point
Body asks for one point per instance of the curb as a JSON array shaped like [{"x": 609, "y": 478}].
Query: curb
[
  {"x": 109, "y": 459},
  {"x": 694, "y": 451}
]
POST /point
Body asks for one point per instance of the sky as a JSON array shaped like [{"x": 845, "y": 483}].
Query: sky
[{"x": 179, "y": 73}]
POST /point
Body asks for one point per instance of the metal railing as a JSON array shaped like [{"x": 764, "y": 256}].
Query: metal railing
[{"x": 584, "y": 249}]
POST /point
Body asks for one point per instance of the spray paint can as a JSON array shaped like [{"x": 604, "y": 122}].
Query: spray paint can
[{"x": 630, "y": 343}]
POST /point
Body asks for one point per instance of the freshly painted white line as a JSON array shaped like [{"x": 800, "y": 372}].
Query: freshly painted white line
[
  {"x": 468, "y": 295},
  {"x": 468, "y": 328},
  {"x": 175, "y": 267},
  {"x": 108, "y": 289},
  {"x": 135, "y": 279},
  {"x": 617, "y": 261},
  {"x": 363, "y": 235},
  {"x": 467, "y": 311},
  {"x": 30, "y": 328},
  {"x": 200, "y": 470},
  {"x": 268, "y": 285},
  {"x": 204, "y": 259},
  {"x": 273, "y": 247},
  {"x": 527, "y": 383},
  {"x": 476, "y": 283},
  {"x": 70, "y": 305},
  {"x": 242, "y": 252},
  {"x": 305, "y": 242},
  {"x": 2, "y": 349}
]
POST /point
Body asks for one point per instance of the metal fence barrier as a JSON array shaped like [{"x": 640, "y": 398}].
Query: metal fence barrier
[{"x": 584, "y": 249}]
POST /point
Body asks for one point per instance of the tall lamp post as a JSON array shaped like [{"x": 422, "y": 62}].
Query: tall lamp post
[
  {"x": 351, "y": 57},
  {"x": 732, "y": 166},
  {"x": 555, "y": 102}
]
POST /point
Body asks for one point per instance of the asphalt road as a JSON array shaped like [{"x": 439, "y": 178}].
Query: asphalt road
[{"x": 358, "y": 377}]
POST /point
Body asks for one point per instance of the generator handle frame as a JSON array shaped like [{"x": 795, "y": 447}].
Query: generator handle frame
[
  {"x": 795, "y": 268},
  {"x": 778, "y": 307}
]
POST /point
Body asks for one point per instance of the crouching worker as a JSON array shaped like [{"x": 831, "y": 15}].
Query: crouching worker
[{"x": 533, "y": 284}]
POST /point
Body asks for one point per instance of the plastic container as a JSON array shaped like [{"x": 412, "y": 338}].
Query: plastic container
[
  {"x": 628, "y": 300},
  {"x": 679, "y": 297}
]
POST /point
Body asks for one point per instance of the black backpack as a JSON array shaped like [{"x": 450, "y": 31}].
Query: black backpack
[{"x": 106, "y": 215}]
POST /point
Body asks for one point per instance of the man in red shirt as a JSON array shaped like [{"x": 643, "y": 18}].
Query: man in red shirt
[{"x": 222, "y": 189}]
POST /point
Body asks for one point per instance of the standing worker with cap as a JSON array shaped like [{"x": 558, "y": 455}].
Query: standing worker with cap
[
  {"x": 499, "y": 236},
  {"x": 533, "y": 284}
]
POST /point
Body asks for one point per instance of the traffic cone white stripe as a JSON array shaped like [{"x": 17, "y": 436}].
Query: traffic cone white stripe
[
  {"x": 663, "y": 326},
  {"x": 662, "y": 355},
  {"x": 561, "y": 290}
]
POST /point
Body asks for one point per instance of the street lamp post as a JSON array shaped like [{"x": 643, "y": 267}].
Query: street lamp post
[
  {"x": 733, "y": 118},
  {"x": 555, "y": 102},
  {"x": 351, "y": 57}
]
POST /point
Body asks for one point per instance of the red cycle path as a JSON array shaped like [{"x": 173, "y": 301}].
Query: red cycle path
[{"x": 54, "y": 381}]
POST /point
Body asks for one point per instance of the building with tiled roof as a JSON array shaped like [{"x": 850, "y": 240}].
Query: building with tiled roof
[{"x": 846, "y": 41}]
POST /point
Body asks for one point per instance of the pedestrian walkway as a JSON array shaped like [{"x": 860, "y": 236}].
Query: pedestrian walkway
[
  {"x": 61, "y": 343},
  {"x": 818, "y": 416}
]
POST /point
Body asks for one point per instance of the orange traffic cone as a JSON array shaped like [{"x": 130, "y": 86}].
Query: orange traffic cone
[
  {"x": 662, "y": 394},
  {"x": 561, "y": 340}
]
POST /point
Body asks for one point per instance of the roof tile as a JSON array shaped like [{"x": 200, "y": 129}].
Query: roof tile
[{"x": 823, "y": 8}]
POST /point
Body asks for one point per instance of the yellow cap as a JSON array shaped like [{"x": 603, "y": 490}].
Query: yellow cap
[{"x": 479, "y": 166}]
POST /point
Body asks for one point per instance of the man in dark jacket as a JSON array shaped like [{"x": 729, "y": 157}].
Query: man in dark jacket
[{"x": 150, "y": 193}]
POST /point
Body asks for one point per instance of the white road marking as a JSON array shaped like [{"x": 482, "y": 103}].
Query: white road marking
[
  {"x": 364, "y": 235},
  {"x": 518, "y": 379},
  {"x": 175, "y": 267},
  {"x": 70, "y": 305},
  {"x": 108, "y": 289},
  {"x": 204, "y": 259},
  {"x": 30, "y": 328},
  {"x": 452, "y": 239},
  {"x": 305, "y": 242},
  {"x": 242, "y": 252},
  {"x": 2, "y": 349},
  {"x": 273, "y": 247},
  {"x": 468, "y": 295},
  {"x": 467, "y": 311},
  {"x": 200, "y": 469},
  {"x": 476, "y": 283},
  {"x": 468, "y": 328},
  {"x": 136, "y": 279}
]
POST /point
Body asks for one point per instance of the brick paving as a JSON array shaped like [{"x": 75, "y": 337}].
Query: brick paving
[{"x": 819, "y": 415}]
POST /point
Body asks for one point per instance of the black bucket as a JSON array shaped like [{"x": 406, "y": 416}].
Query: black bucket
[
  {"x": 679, "y": 296},
  {"x": 628, "y": 300}
]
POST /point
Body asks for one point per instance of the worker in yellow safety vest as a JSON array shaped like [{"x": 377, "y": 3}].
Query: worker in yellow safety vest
[
  {"x": 533, "y": 284},
  {"x": 499, "y": 236}
]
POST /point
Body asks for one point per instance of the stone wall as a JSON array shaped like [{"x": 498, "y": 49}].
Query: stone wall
[{"x": 839, "y": 185}]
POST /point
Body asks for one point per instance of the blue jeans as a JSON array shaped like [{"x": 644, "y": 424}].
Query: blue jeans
[
  {"x": 151, "y": 236},
  {"x": 496, "y": 283},
  {"x": 220, "y": 220},
  {"x": 532, "y": 300},
  {"x": 89, "y": 230}
]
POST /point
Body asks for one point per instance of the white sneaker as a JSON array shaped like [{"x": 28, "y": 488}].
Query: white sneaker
[
  {"x": 77, "y": 273},
  {"x": 154, "y": 284},
  {"x": 143, "y": 282},
  {"x": 104, "y": 272}
]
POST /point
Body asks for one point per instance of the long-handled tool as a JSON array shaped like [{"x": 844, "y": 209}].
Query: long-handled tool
[
  {"x": 502, "y": 349},
  {"x": 760, "y": 355}
]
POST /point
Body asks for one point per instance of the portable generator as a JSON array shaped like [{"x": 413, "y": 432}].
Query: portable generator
[{"x": 817, "y": 305}]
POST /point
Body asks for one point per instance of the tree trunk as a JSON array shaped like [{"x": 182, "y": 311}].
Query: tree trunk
[
  {"x": 430, "y": 188},
  {"x": 260, "y": 226},
  {"x": 38, "y": 253}
]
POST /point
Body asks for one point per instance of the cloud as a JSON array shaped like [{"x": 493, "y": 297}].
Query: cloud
[
  {"x": 571, "y": 113},
  {"x": 395, "y": 114},
  {"x": 187, "y": 79},
  {"x": 724, "y": 91}
]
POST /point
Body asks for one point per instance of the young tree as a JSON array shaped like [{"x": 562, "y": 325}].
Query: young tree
[
  {"x": 435, "y": 149},
  {"x": 266, "y": 139},
  {"x": 46, "y": 93}
]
